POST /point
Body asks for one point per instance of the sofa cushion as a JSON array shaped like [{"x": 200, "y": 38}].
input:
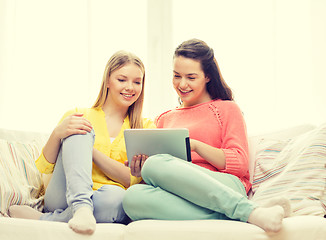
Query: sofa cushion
[
  {"x": 255, "y": 141},
  {"x": 294, "y": 168},
  {"x": 49, "y": 230},
  {"x": 267, "y": 151},
  {"x": 21, "y": 182},
  {"x": 294, "y": 228}
]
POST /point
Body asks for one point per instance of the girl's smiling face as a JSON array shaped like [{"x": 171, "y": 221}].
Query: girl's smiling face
[
  {"x": 125, "y": 85},
  {"x": 189, "y": 81}
]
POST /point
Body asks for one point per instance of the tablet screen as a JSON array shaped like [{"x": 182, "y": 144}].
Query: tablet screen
[{"x": 173, "y": 141}]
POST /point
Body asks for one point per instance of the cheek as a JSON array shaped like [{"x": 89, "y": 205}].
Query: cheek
[
  {"x": 138, "y": 89},
  {"x": 199, "y": 85},
  {"x": 175, "y": 86},
  {"x": 175, "y": 83}
]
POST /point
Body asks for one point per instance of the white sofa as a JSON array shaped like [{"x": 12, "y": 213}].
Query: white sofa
[{"x": 21, "y": 184}]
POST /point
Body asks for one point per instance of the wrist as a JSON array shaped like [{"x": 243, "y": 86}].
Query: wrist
[
  {"x": 55, "y": 134},
  {"x": 95, "y": 152},
  {"x": 194, "y": 145}
]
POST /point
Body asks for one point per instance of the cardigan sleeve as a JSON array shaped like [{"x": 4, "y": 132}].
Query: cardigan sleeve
[
  {"x": 234, "y": 140},
  {"x": 43, "y": 165}
]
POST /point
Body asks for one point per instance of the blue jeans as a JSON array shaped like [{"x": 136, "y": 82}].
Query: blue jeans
[
  {"x": 71, "y": 185},
  {"x": 179, "y": 190}
]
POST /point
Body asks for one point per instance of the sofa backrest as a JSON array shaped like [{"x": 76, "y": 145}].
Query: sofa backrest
[
  {"x": 283, "y": 134},
  {"x": 24, "y": 136}
]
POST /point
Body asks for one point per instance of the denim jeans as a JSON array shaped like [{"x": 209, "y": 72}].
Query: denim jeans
[
  {"x": 179, "y": 190},
  {"x": 71, "y": 185}
]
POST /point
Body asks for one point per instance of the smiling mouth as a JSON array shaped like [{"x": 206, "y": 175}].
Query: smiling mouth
[
  {"x": 184, "y": 92},
  {"x": 127, "y": 95}
]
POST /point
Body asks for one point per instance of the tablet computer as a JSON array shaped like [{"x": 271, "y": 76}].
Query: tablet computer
[{"x": 173, "y": 141}]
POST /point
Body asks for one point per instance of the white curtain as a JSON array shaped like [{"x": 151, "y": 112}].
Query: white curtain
[{"x": 272, "y": 53}]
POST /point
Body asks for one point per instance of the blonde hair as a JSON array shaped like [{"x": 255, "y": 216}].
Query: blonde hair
[{"x": 117, "y": 61}]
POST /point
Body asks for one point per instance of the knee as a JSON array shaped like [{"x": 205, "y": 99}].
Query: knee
[
  {"x": 156, "y": 167},
  {"x": 153, "y": 164},
  {"x": 88, "y": 137}
]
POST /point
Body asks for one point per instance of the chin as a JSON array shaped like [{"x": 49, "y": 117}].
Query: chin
[
  {"x": 128, "y": 104},
  {"x": 185, "y": 99}
]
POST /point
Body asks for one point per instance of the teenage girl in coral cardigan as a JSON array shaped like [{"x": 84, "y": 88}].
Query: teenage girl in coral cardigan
[{"x": 215, "y": 184}]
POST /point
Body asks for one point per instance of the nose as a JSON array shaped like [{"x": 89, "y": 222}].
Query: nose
[
  {"x": 129, "y": 86},
  {"x": 183, "y": 83}
]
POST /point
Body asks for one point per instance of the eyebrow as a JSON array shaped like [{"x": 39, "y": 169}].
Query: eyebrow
[
  {"x": 121, "y": 75},
  {"x": 124, "y": 76},
  {"x": 189, "y": 74}
]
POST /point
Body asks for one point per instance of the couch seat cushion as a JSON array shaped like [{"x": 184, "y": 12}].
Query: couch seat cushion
[{"x": 294, "y": 228}]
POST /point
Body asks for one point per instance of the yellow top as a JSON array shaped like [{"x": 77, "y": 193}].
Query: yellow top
[{"x": 115, "y": 150}]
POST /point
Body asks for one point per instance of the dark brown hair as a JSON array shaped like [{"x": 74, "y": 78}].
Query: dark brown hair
[{"x": 200, "y": 51}]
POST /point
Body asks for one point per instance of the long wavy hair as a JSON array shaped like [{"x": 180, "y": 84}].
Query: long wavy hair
[
  {"x": 198, "y": 50},
  {"x": 117, "y": 61}
]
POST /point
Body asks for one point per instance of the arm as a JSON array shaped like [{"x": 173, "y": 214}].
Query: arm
[
  {"x": 214, "y": 156},
  {"x": 72, "y": 124},
  {"x": 232, "y": 155},
  {"x": 114, "y": 170},
  {"x": 235, "y": 142}
]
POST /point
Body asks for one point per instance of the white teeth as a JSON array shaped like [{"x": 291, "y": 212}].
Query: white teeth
[
  {"x": 183, "y": 91},
  {"x": 127, "y": 95}
]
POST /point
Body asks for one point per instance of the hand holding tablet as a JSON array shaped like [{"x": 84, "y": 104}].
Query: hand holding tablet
[{"x": 174, "y": 141}]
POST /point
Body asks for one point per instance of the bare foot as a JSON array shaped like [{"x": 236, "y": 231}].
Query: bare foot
[
  {"x": 268, "y": 218},
  {"x": 83, "y": 221},
  {"x": 24, "y": 211}
]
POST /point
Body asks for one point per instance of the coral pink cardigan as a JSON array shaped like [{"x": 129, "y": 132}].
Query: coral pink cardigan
[{"x": 217, "y": 123}]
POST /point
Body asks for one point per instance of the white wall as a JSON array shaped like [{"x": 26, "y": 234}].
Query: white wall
[
  {"x": 113, "y": 26},
  {"x": 270, "y": 52},
  {"x": 48, "y": 57},
  {"x": 318, "y": 62},
  {"x": 53, "y": 52},
  {"x": 56, "y": 52}
]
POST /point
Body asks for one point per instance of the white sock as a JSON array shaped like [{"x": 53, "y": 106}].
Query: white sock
[
  {"x": 83, "y": 221},
  {"x": 282, "y": 201},
  {"x": 268, "y": 218},
  {"x": 24, "y": 211}
]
